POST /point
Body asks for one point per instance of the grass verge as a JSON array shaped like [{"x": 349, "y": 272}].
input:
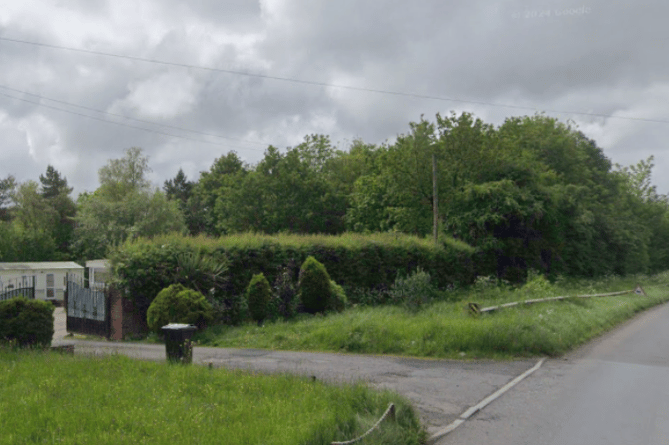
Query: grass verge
[
  {"x": 447, "y": 330},
  {"x": 51, "y": 398}
]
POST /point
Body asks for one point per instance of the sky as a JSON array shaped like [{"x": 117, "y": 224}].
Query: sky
[{"x": 83, "y": 80}]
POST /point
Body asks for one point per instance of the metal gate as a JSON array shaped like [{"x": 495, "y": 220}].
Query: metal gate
[
  {"x": 17, "y": 287},
  {"x": 87, "y": 308}
]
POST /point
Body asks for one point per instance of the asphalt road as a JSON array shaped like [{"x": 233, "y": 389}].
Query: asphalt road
[{"x": 613, "y": 391}]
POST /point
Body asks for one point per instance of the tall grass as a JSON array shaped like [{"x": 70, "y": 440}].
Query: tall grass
[
  {"x": 445, "y": 329},
  {"x": 49, "y": 398}
]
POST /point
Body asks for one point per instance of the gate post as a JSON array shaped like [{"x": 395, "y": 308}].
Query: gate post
[
  {"x": 65, "y": 300},
  {"x": 108, "y": 311}
]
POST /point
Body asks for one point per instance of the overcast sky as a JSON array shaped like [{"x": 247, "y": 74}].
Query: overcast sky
[{"x": 497, "y": 58}]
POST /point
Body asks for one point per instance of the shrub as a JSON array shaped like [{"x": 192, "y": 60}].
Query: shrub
[
  {"x": 413, "y": 291},
  {"x": 314, "y": 286},
  {"x": 26, "y": 322},
  {"x": 231, "y": 310},
  {"x": 537, "y": 286},
  {"x": 285, "y": 292},
  {"x": 338, "y": 300},
  {"x": 176, "y": 304},
  {"x": 490, "y": 287},
  {"x": 258, "y": 294}
]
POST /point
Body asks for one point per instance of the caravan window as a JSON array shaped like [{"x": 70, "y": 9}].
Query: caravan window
[{"x": 49, "y": 285}]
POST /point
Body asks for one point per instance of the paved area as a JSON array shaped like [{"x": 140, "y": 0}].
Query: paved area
[
  {"x": 439, "y": 389},
  {"x": 612, "y": 391},
  {"x": 59, "y": 324}
]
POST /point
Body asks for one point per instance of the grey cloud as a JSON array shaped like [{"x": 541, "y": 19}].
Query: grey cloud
[{"x": 603, "y": 61}]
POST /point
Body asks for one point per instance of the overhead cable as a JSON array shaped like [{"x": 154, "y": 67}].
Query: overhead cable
[{"x": 329, "y": 85}]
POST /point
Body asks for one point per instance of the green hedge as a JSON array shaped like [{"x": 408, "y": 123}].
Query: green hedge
[
  {"x": 144, "y": 267},
  {"x": 26, "y": 322}
]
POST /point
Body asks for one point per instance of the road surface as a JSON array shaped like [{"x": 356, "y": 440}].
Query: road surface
[{"x": 613, "y": 391}]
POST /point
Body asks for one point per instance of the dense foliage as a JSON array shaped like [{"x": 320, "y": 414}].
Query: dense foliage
[
  {"x": 26, "y": 322},
  {"x": 39, "y": 225},
  {"x": 177, "y": 304},
  {"x": 531, "y": 193},
  {"x": 145, "y": 266}
]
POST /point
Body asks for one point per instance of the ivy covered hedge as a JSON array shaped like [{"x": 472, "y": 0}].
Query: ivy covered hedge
[{"x": 144, "y": 267}]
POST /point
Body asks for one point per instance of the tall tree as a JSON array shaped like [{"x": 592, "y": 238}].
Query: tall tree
[
  {"x": 7, "y": 187},
  {"x": 53, "y": 184},
  {"x": 33, "y": 224},
  {"x": 55, "y": 190},
  {"x": 286, "y": 192},
  {"x": 180, "y": 189},
  {"x": 126, "y": 175},
  {"x": 218, "y": 185},
  {"x": 124, "y": 206}
]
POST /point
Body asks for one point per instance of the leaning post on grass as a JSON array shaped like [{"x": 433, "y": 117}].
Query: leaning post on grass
[{"x": 474, "y": 308}]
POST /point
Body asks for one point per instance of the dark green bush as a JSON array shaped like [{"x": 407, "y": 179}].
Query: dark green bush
[
  {"x": 176, "y": 304},
  {"x": 26, "y": 322},
  {"x": 314, "y": 286},
  {"x": 258, "y": 295}
]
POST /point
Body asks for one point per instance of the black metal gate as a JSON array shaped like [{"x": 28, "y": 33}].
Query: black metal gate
[
  {"x": 87, "y": 308},
  {"x": 18, "y": 287}
]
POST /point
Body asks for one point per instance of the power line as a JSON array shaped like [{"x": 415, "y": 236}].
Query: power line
[
  {"x": 122, "y": 124},
  {"x": 327, "y": 85},
  {"x": 127, "y": 117}
]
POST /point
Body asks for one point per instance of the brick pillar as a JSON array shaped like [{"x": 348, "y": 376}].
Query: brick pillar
[
  {"x": 116, "y": 310},
  {"x": 134, "y": 324}
]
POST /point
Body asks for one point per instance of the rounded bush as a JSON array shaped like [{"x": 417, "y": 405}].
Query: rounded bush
[
  {"x": 26, "y": 322},
  {"x": 338, "y": 300},
  {"x": 258, "y": 294},
  {"x": 176, "y": 304},
  {"x": 314, "y": 286}
]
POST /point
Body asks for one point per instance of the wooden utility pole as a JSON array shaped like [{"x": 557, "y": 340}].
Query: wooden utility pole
[{"x": 435, "y": 201}]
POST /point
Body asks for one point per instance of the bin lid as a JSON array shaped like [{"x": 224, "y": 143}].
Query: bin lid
[{"x": 180, "y": 326}]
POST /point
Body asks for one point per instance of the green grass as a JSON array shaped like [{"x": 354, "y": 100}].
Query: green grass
[
  {"x": 447, "y": 330},
  {"x": 51, "y": 398}
]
